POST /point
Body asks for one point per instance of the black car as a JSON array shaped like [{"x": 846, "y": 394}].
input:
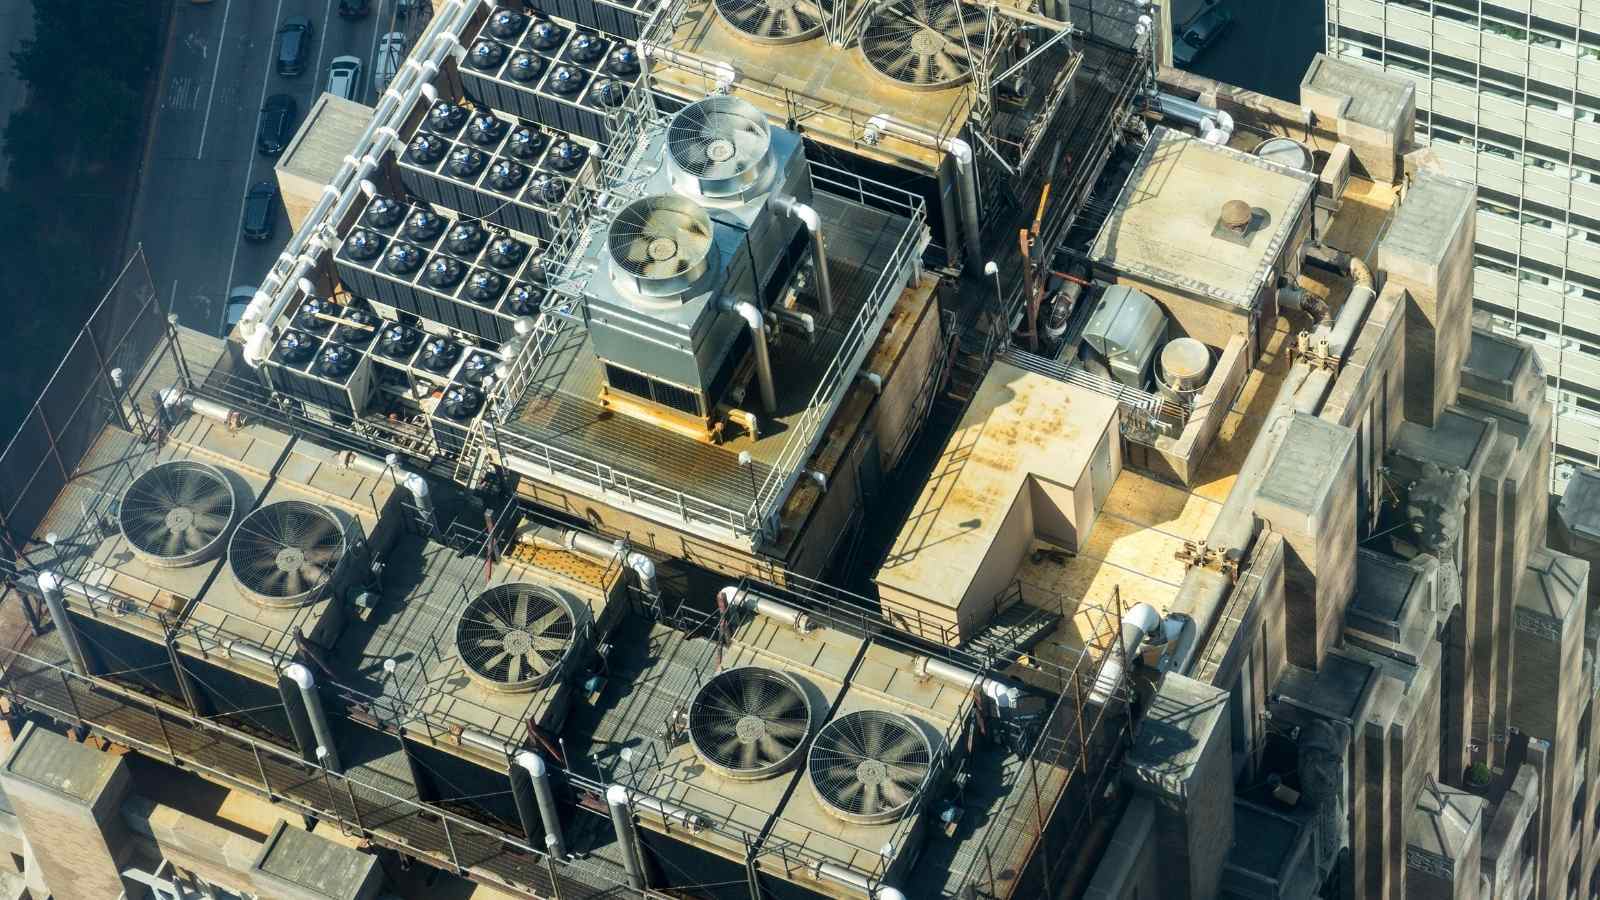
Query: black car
[
  {"x": 354, "y": 9},
  {"x": 260, "y": 211},
  {"x": 294, "y": 45},
  {"x": 277, "y": 124}
]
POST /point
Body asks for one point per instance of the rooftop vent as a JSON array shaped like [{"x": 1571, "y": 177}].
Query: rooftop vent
[
  {"x": 924, "y": 44},
  {"x": 775, "y": 21},
  {"x": 176, "y": 513},
  {"x": 867, "y": 767},
  {"x": 749, "y": 723},
  {"x": 466, "y": 239},
  {"x": 718, "y": 147},
  {"x": 284, "y": 553},
  {"x": 660, "y": 245},
  {"x": 1236, "y": 216},
  {"x": 514, "y": 638},
  {"x": 398, "y": 341}
]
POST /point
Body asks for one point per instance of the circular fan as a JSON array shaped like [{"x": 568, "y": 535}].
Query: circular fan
[
  {"x": 403, "y": 259},
  {"x": 466, "y": 162},
  {"x": 506, "y": 176},
  {"x": 427, "y": 149},
  {"x": 444, "y": 273},
  {"x": 660, "y": 244},
  {"x": 624, "y": 62},
  {"x": 438, "y": 355},
  {"x": 477, "y": 367},
  {"x": 446, "y": 117},
  {"x": 718, "y": 146},
  {"x": 775, "y": 21},
  {"x": 337, "y": 361},
  {"x": 398, "y": 341},
  {"x": 424, "y": 225},
  {"x": 526, "y": 67},
  {"x": 566, "y": 155},
  {"x": 175, "y": 513},
  {"x": 285, "y": 553},
  {"x": 608, "y": 93},
  {"x": 546, "y": 35},
  {"x": 466, "y": 239},
  {"x": 484, "y": 287},
  {"x": 524, "y": 300},
  {"x": 566, "y": 81},
  {"x": 507, "y": 24},
  {"x": 527, "y": 143},
  {"x": 546, "y": 189},
  {"x": 383, "y": 212},
  {"x": 586, "y": 49},
  {"x": 316, "y": 315},
  {"x": 363, "y": 245},
  {"x": 358, "y": 327},
  {"x": 517, "y": 637},
  {"x": 749, "y": 723},
  {"x": 924, "y": 44},
  {"x": 486, "y": 129},
  {"x": 868, "y": 766},
  {"x": 486, "y": 55},
  {"x": 461, "y": 402},
  {"x": 506, "y": 253},
  {"x": 296, "y": 347}
]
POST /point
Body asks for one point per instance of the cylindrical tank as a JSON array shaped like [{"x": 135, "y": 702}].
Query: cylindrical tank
[
  {"x": 1285, "y": 151},
  {"x": 1185, "y": 363}
]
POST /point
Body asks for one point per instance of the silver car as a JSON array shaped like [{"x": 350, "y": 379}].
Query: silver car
[{"x": 344, "y": 77}]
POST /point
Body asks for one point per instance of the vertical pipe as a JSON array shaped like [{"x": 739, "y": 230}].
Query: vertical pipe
[
  {"x": 627, "y": 837},
  {"x": 55, "y": 599},
  {"x": 819, "y": 253},
  {"x": 758, "y": 335},
  {"x": 549, "y": 813},
  {"x": 320, "y": 727}
]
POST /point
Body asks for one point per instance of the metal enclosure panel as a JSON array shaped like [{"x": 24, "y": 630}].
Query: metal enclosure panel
[{"x": 1126, "y": 328}]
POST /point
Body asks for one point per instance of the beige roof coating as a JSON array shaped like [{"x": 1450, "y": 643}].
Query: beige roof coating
[
  {"x": 326, "y": 136},
  {"x": 1019, "y": 425},
  {"x": 1162, "y": 226}
]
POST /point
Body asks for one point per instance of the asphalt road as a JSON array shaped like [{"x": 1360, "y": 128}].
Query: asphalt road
[
  {"x": 16, "y": 26},
  {"x": 1267, "y": 48},
  {"x": 202, "y": 156}
]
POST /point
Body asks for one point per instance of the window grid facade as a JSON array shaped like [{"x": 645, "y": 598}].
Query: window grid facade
[{"x": 1508, "y": 96}]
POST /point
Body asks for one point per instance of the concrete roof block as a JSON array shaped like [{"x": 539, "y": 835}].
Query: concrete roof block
[
  {"x": 1300, "y": 480},
  {"x": 1185, "y": 716},
  {"x": 1445, "y": 821},
  {"x": 1553, "y": 585},
  {"x": 1389, "y": 612},
  {"x": 1579, "y": 508},
  {"x": 1502, "y": 372},
  {"x": 1456, "y": 440},
  {"x": 329, "y": 134},
  {"x": 306, "y": 866},
  {"x": 1337, "y": 89},
  {"x": 46, "y": 759},
  {"x": 1338, "y": 690},
  {"x": 1435, "y": 209}
]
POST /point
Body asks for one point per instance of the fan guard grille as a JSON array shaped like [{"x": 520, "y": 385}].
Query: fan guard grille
[
  {"x": 749, "y": 723},
  {"x": 924, "y": 44},
  {"x": 660, "y": 244},
  {"x": 177, "y": 513},
  {"x": 285, "y": 554},
  {"x": 517, "y": 637},
  {"x": 720, "y": 145},
  {"x": 867, "y": 767},
  {"x": 775, "y": 21}
]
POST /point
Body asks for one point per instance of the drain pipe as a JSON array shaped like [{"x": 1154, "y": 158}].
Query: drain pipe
[
  {"x": 53, "y": 588},
  {"x": 1138, "y": 622},
  {"x": 819, "y": 254},
  {"x": 175, "y": 400},
  {"x": 735, "y": 597},
  {"x": 549, "y": 814},
  {"x": 627, "y": 836},
  {"x": 1005, "y": 696},
  {"x": 758, "y": 336},
  {"x": 320, "y": 726},
  {"x": 960, "y": 153}
]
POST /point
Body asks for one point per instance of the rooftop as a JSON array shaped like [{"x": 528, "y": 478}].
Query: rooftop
[{"x": 1374, "y": 100}]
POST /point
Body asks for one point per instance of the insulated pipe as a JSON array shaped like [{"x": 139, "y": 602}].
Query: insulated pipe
[
  {"x": 1349, "y": 319},
  {"x": 737, "y": 598},
  {"x": 1309, "y": 400},
  {"x": 1186, "y": 111},
  {"x": 645, "y": 568},
  {"x": 418, "y": 486},
  {"x": 1005, "y": 696},
  {"x": 320, "y": 726},
  {"x": 819, "y": 253},
  {"x": 176, "y": 401},
  {"x": 961, "y": 154},
  {"x": 50, "y": 584},
  {"x": 487, "y": 742},
  {"x": 627, "y": 837},
  {"x": 798, "y": 318},
  {"x": 670, "y": 812},
  {"x": 549, "y": 813},
  {"x": 591, "y": 545},
  {"x": 758, "y": 336},
  {"x": 344, "y": 189},
  {"x": 848, "y": 877},
  {"x": 253, "y": 652},
  {"x": 1138, "y": 622},
  {"x": 360, "y": 462}
]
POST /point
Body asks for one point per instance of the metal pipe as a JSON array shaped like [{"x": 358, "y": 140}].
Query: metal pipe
[
  {"x": 320, "y": 726},
  {"x": 735, "y": 597},
  {"x": 627, "y": 837},
  {"x": 50, "y": 584},
  {"x": 364, "y": 464},
  {"x": 1309, "y": 400},
  {"x": 487, "y": 742},
  {"x": 1005, "y": 696},
  {"x": 1186, "y": 111},
  {"x": 418, "y": 486},
  {"x": 645, "y": 569},
  {"x": 758, "y": 336},
  {"x": 549, "y": 813},
  {"x": 1138, "y": 622},
  {"x": 176, "y": 400},
  {"x": 846, "y": 876},
  {"x": 819, "y": 253},
  {"x": 960, "y": 153},
  {"x": 1349, "y": 319},
  {"x": 670, "y": 812},
  {"x": 798, "y": 318},
  {"x": 254, "y": 652}
]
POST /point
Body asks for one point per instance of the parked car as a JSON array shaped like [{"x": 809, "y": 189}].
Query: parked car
[
  {"x": 404, "y": 8},
  {"x": 354, "y": 9},
  {"x": 391, "y": 53},
  {"x": 294, "y": 45},
  {"x": 238, "y": 301},
  {"x": 1202, "y": 32},
  {"x": 344, "y": 77},
  {"x": 276, "y": 125},
  {"x": 260, "y": 211}
]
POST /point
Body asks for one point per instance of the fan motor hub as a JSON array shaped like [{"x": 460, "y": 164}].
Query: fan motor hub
[
  {"x": 719, "y": 150},
  {"x": 290, "y": 559},
  {"x": 926, "y": 41},
  {"x": 872, "y": 772},
  {"x": 750, "y": 729},
  {"x": 518, "y": 642},
  {"x": 662, "y": 249},
  {"x": 180, "y": 518}
]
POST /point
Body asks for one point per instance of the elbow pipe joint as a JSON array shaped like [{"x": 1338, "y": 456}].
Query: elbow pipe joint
[
  {"x": 645, "y": 568},
  {"x": 758, "y": 334}
]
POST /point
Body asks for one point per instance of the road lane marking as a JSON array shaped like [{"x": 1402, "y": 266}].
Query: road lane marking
[
  {"x": 371, "y": 72},
  {"x": 322, "y": 49},
  {"x": 250, "y": 160},
  {"x": 222, "y": 41}
]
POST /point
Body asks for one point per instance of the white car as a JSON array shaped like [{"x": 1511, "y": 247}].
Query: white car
[
  {"x": 238, "y": 301},
  {"x": 344, "y": 77},
  {"x": 391, "y": 53}
]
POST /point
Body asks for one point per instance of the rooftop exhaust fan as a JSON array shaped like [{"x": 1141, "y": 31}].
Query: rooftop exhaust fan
[
  {"x": 427, "y": 149},
  {"x": 466, "y": 239},
  {"x": 527, "y": 143},
  {"x": 460, "y": 402},
  {"x": 515, "y": 638},
  {"x": 923, "y": 44},
  {"x": 403, "y": 258},
  {"x": 444, "y": 273},
  {"x": 284, "y": 554},
  {"x": 546, "y": 35},
  {"x": 398, "y": 341},
  {"x": 296, "y": 347},
  {"x": 547, "y": 189},
  {"x": 446, "y": 117},
  {"x": 358, "y": 327},
  {"x": 660, "y": 245},
  {"x": 466, "y": 162},
  {"x": 718, "y": 147},
  {"x": 486, "y": 55},
  {"x": 775, "y": 21},
  {"x": 176, "y": 513},
  {"x": 749, "y": 723},
  {"x": 486, "y": 129},
  {"x": 316, "y": 315},
  {"x": 363, "y": 245},
  {"x": 506, "y": 253},
  {"x": 608, "y": 93},
  {"x": 566, "y": 81},
  {"x": 424, "y": 225},
  {"x": 337, "y": 361},
  {"x": 524, "y": 300},
  {"x": 868, "y": 766},
  {"x": 624, "y": 62},
  {"x": 526, "y": 67},
  {"x": 477, "y": 367},
  {"x": 506, "y": 176},
  {"x": 483, "y": 288},
  {"x": 438, "y": 355},
  {"x": 566, "y": 155},
  {"x": 507, "y": 24},
  {"x": 587, "y": 49},
  {"x": 383, "y": 212}
]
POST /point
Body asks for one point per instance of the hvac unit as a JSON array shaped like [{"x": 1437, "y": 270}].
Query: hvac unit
[
  {"x": 721, "y": 153},
  {"x": 545, "y": 73},
  {"x": 177, "y": 513},
  {"x": 663, "y": 306},
  {"x": 923, "y": 44},
  {"x": 453, "y": 417},
  {"x": 286, "y": 554},
  {"x": 775, "y": 21},
  {"x": 750, "y": 723},
  {"x": 391, "y": 356},
  {"x": 326, "y": 375},
  {"x": 868, "y": 767},
  {"x": 517, "y": 637}
]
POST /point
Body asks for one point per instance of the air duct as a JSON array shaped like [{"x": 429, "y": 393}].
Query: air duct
[
  {"x": 627, "y": 837},
  {"x": 1137, "y": 623},
  {"x": 758, "y": 337},
  {"x": 51, "y": 585},
  {"x": 1005, "y": 696},
  {"x": 819, "y": 253},
  {"x": 549, "y": 814},
  {"x": 960, "y": 153},
  {"x": 740, "y": 599},
  {"x": 320, "y": 726}
]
